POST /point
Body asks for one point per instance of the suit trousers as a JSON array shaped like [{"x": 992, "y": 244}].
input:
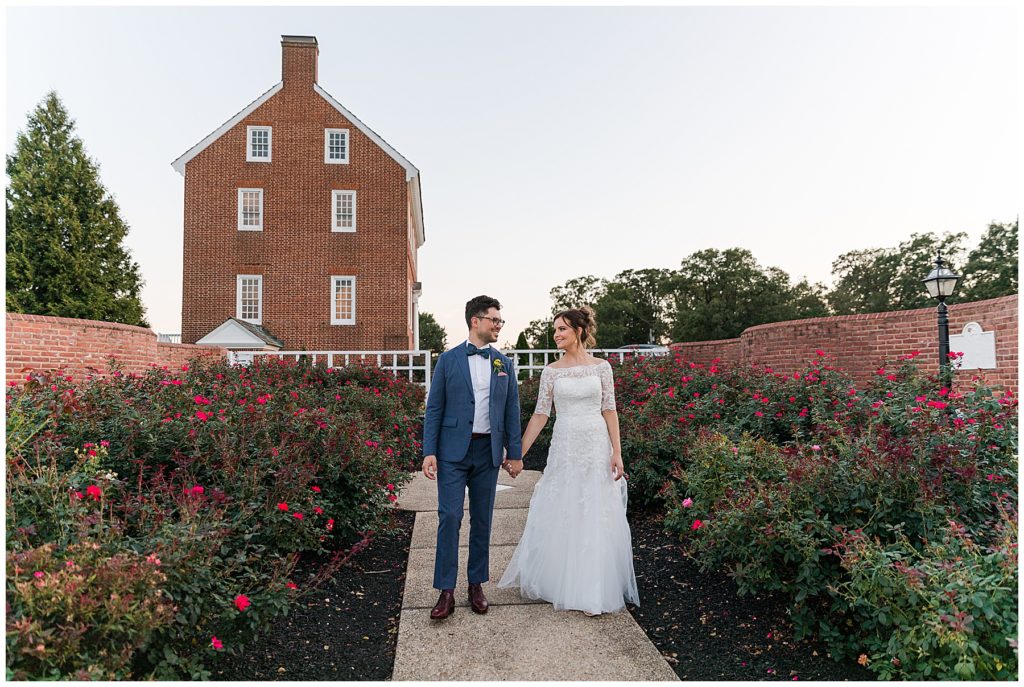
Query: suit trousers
[{"x": 476, "y": 471}]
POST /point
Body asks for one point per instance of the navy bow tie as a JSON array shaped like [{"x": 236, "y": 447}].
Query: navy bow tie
[{"x": 473, "y": 350}]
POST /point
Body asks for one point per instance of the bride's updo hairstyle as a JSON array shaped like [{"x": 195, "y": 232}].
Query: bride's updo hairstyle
[{"x": 583, "y": 321}]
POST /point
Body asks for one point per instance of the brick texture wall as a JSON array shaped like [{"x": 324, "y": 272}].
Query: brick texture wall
[
  {"x": 861, "y": 342},
  {"x": 81, "y": 347},
  {"x": 296, "y": 252}
]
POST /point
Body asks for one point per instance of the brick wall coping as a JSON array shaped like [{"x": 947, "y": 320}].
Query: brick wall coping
[
  {"x": 180, "y": 346},
  {"x": 711, "y": 342},
  {"x": 872, "y": 315},
  {"x": 74, "y": 321}
]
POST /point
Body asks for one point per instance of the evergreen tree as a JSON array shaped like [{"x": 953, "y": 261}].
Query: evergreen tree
[{"x": 65, "y": 252}]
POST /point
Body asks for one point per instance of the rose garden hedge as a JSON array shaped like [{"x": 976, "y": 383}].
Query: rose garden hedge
[
  {"x": 888, "y": 514},
  {"x": 154, "y": 520}
]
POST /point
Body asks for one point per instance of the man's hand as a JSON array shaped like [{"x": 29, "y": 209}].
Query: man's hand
[
  {"x": 514, "y": 467},
  {"x": 430, "y": 467}
]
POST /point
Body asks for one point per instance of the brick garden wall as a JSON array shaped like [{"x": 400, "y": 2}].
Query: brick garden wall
[
  {"x": 861, "y": 342},
  {"x": 37, "y": 342}
]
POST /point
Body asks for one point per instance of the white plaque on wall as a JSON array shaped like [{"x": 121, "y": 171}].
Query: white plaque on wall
[{"x": 978, "y": 347}]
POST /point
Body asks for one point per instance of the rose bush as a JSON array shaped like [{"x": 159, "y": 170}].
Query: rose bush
[
  {"x": 200, "y": 487},
  {"x": 843, "y": 498},
  {"x": 765, "y": 475}
]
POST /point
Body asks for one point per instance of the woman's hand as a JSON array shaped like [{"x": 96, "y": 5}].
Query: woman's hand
[{"x": 618, "y": 469}]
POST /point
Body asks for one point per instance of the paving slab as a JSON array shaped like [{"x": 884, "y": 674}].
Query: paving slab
[
  {"x": 420, "y": 493},
  {"x": 419, "y": 579},
  {"x": 507, "y": 527},
  {"x": 526, "y": 642},
  {"x": 518, "y": 639}
]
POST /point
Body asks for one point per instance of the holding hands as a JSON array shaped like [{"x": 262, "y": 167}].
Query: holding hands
[{"x": 512, "y": 467}]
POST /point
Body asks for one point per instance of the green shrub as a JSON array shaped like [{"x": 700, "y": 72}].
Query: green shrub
[{"x": 224, "y": 475}]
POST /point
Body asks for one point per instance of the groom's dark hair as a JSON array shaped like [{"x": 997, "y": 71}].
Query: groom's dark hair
[{"x": 478, "y": 307}]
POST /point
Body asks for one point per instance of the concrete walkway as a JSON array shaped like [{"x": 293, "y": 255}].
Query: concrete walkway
[{"x": 517, "y": 639}]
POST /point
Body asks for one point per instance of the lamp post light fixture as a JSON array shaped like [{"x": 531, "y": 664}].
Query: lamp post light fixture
[{"x": 941, "y": 282}]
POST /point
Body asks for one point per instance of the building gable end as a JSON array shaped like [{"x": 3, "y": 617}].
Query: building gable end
[
  {"x": 179, "y": 164},
  {"x": 410, "y": 168}
]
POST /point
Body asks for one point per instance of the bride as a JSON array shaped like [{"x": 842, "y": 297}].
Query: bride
[{"x": 576, "y": 549}]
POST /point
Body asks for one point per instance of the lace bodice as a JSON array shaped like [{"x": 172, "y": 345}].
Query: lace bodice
[{"x": 575, "y": 390}]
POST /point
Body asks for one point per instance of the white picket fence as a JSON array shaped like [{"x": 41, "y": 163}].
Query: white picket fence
[
  {"x": 535, "y": 360},
  {"x": 415, "y": 365}
]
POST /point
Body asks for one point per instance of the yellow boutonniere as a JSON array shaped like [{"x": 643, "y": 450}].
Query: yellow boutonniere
[{"x": 498, "y": 365}]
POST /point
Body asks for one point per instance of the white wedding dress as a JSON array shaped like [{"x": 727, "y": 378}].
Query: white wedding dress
[{"x": 576, "y": 550}]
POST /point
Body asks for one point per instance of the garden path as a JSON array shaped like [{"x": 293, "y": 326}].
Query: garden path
[{"x": 517, "y": 639}]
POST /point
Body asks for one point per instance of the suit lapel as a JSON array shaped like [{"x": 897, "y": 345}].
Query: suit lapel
[
  {"x": 462, "y": 361},
  {"x": 498, "y": 411},
  {"x": 493, "y": 354}
]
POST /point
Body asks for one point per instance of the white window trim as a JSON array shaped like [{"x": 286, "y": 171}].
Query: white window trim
[
  {"x": 258, "y": 227},
  {"x": 238, "y": 297},
  {"x": 334, "y": 211},
  {"x": 334, "y": 280},
  {"x": 248, "y": 143},
  {"x": 327, "y": 147}
]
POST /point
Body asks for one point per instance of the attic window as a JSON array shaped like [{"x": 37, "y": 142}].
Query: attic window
[
  {"x": 258, "y": 146},
  {"x": 336, "y": 146}
]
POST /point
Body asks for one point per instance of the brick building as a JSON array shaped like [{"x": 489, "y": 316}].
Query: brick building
[{"x": 302, "y": 225}]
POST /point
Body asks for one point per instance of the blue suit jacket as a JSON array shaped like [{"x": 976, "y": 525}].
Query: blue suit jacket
[{"x": 448, "y": 425}]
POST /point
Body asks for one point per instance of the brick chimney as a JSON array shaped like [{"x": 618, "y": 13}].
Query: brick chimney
[{"x": 298, "y": 60}]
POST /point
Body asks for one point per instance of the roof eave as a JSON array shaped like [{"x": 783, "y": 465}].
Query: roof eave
[
  {"x": 410, "y": 168},
  {"x": 179, "y": 164},
  {"x": 417, "y": 210}
]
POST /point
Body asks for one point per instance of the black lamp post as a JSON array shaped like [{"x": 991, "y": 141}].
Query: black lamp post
[{"x": 941, "y": 282}]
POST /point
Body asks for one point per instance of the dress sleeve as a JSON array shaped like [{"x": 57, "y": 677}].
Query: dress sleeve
[
  {"x": 547, "y": 385},
  {"x": 607, "y": 387}
]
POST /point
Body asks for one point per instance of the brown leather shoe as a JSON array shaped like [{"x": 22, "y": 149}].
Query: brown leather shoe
[
  {"x": 477, "y": 600},
  {"x": 445, "y": 605}
]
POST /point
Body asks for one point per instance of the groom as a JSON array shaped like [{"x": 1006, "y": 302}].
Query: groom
[{"x": 472, "y": 419}]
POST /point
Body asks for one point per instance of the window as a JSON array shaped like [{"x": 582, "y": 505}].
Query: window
[
  {"x": 336, "y": 146},
  {"x": 343, "y": 300},
  {"x": 250, "y": 209},
  {"x": 257, "y": 148},
  {"x": 343, "y": 215},
  {"x": 249, "y": 298}
]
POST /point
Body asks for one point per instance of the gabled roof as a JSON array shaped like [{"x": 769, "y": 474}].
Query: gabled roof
[
  {"x": 179, "y": 164},
  {"x": 410, "y": 168},
  {"x": 412, "y": 175},
  {"x": 236, "y": 333}
]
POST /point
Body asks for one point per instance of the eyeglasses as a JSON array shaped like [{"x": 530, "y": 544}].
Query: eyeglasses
[{"x": 498, "y": 322}]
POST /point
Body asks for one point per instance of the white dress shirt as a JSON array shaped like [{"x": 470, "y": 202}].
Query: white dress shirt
[{"x": 480, "y": 373}]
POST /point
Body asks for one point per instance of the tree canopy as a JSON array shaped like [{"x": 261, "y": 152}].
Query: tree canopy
[
  {"x": 433, "y": 337},
  {"x": 65, "y": 236},
  {"x": 716, "y": 294}
]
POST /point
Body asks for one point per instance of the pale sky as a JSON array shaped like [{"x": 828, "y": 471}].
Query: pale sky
[{"x": 558, "y": 142}]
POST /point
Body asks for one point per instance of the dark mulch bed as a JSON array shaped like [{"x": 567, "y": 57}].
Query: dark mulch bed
[
  {"x": 706, "y": 631},
  {"x": 345, "y": 630}
]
